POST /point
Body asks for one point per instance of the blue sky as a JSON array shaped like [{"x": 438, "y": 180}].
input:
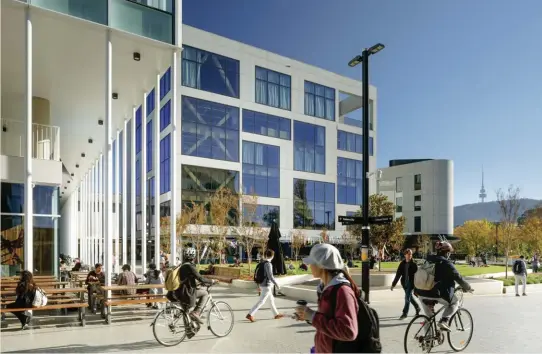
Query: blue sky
[{"x": 459, "y": 80}]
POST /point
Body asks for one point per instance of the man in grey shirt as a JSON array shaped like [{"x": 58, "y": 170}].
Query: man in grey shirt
[{"x": 266, "y": 284}]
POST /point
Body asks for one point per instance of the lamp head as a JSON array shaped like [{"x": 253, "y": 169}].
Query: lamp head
[
  {"x": 355, "y": 61},
  {"x": 376, "y": 48}
]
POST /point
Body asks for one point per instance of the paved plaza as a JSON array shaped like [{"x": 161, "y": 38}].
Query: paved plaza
[{"x": 503, "y": 323}]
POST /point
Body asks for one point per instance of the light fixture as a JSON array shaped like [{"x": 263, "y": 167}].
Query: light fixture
[
  {"x": 376, "y": 48},
  {"x": 100, "y": 122},
  {"x": 90, "y": 140},
  {"x": 115, "y": 95},
  {"x": 4, "y": 128},
  {"x": 359, "y": 58},
  {"x": 83, "y": 154},
  {"x": 355, "y": 61},
  {"x": 65, "y": 187},
  {"x": 77, "y": 166},
  {"x": 137, "y": 56},
  {"x": 69, "y": 181},
  {"x": 73, "y": 174}
]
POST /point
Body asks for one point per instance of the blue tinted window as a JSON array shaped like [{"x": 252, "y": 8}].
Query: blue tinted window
[
  {"x": 261, "y": 165},
  {"x": 149, "y": 145},
  {"x": 150, "y": 193},
  {"x": 210, "y": 72},
  {"x": 309, "y": 147},
  {"x": 349, "y": 142},
  {"x": 261, "y": 215},
  {"x": 165, "y": 164},
  {"x": 210, "y": 129},
  {"x": 114, "y": 159},
  {"x": 314, "y": 205},
  {"x": 165, "y": 115},
  {"x": 273, "y": 88},
  {"x": 371, "y": 146},
  {"x": 165, "y": 83},
  {"x": 150, "y": 102},
  {"x": 266, "y": 124},
  {"x": 138, "y": 130},
  {"x": 319, "y": 101},
  {"x": 349, "y": 181}
]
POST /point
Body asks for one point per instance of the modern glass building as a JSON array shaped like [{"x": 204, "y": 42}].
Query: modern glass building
[{"x": 162, "y": 120}]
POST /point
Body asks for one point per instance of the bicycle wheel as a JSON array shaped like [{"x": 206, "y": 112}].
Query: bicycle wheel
[
  {"x": 223, "y": 313},
  {"x": 461, "y": 323},
  {"x": 168, "y": 326},
  {"x": 419, "y": 334},
  {"x": 459, "y": 295}
]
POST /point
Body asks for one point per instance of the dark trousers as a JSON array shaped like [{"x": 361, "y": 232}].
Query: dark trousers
[
  {"x": 20, "y": 314},
  {"x": 91, "y": 298},
  {"x": 409, "y": 299}
]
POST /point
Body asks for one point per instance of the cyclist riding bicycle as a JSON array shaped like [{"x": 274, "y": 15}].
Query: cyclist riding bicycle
[
  {"x": 188, "y": 292},
  {"x": 446, "y": 275}
]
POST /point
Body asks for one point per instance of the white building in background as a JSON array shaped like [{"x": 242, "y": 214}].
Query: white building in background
[
  {"x": 129, "y": 121},
  {"x": 423, "y": 192}
]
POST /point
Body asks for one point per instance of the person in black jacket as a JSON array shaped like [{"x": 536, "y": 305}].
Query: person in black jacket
[
  {"x": 188, "y": 292},
  {"x": 405, "y": 272},
  {"x": 25, "y": 291},
  {"x": 446, "y": 275}
]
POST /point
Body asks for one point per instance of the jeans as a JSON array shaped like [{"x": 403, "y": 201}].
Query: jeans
[
  {"x": 266, "y": 293},
  {"x": 21, "y": 315},
  {"x": 449, "y": 310},
  {"x": 202, "y": 295},
  {"x": 409, "y": 299},
  {"x": 523, "y": 279}
]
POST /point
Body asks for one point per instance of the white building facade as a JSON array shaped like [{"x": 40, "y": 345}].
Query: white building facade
[
  {"x": 165, "y": 120},
  {"x": 423, "y": 192}
]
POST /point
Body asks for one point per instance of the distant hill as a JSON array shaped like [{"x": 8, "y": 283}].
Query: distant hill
[{"x": 488, "y": 210}]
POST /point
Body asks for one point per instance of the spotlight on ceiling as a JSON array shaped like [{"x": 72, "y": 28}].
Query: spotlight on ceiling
[
  {"x": 115, "y": 95},
  {"x": 73, "y": 174},
  {"x": 77, "y": 166},
  {"x": 83, "y": 154},
  {"x": 137, "y": 56},
  {"x": 100, "y": 122},
  {"x": 90, "y": 140}
]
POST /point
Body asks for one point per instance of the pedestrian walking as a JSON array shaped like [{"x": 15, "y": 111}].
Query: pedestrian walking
[
  {"x": 520, "y": 273},
  {"x": 405, "y": 273},
  {"x": 535, "y": 263},
  {"x": 263, "y": 275}
]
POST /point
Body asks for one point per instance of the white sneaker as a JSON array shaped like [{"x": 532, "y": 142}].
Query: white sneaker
[{"x": 444, "y": 326}]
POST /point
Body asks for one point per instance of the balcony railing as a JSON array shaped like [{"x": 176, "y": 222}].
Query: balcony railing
[
  {"x": 350, "y": 121},
  {"x": 45, "y": 140},
  {"x": 91, "y": 10}
]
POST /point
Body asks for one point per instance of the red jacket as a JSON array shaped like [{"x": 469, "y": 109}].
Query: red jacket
[{"x": 343, "y": 327}]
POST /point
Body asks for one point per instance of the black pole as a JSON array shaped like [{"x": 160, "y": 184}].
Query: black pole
[{"x": 365, "y": 225}]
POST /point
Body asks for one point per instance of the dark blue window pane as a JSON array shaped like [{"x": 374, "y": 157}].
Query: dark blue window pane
[
  {"x": 165, "y": 83},
  {"x": 138, "y": 178},
  {"x": 149, "y": 145},
  {"x": 262, "y": 216},
  {"x": 371, "y": 147},
  {"x": 210, "y": 72},
  {"x": 261, "y": 165},
  {"x": 248, "y": 121},
  {"x": 138, "y": 129},
  {"x": 314, "y": 204},
  {"x": 319, "y": 101},
  {"x": 273, "y": 88},
  {"x": 210, "y": 130},
  {"x": 347, "y": 141},
  {"x": 150, "y": 102},
  {"x": 349, "y": 181},
  {"x": 309, "y": 147},
  {"x": 165, "y": 164},
  {"x": 165, "y": 115}
]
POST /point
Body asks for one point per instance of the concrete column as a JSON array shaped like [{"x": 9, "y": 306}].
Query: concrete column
[
  {"x": 28, "y": 248},
  {"x": 133, "y": 218},
  {"x": 143, "y": 166},
  {"x": 108, "y": 208},
  {"x": 92, "y": 260},
  {"x": 116, "y": 200},
  {"x": 124, "y": 194},
  {"x": 156, "y": 159},
  {"x": 101, "y": 213},
  {"x": 173, "y": 157}
]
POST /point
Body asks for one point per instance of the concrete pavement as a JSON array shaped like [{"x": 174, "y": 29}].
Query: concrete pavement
[{"x": 503, "y": 323}]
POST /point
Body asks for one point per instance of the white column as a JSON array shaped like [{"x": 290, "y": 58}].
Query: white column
[
  {"x": 100, "y": 210},
  {"x": 156, "y": 159},
  {"x": 28, "y": 184},
  {"x": 92, "y": 214},
  {"x": 143, "y": 166},
  {"x": 84, "y": 232},
  {"x": 133, "y": 218},
  {"x": 80, "y": 214},
  {"x": 124, "y": 194},
  {"x": 87, "y": 220},
  {"x": 173, "y": 160},
  {"x": 96, "y": 199},
  {"x": 108, "y": 209},
  {"x": 117, "y": 201}
]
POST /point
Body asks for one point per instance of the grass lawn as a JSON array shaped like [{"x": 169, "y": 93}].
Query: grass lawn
[{"x": 531, "y": 279}]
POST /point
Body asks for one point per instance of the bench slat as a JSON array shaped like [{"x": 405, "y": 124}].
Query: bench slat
[
  {"x": 129, "y": 302},
  {"x": 48, "y": 307}
]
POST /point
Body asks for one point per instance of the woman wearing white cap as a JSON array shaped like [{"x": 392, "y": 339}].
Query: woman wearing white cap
[{"x": 326, "y": 263}]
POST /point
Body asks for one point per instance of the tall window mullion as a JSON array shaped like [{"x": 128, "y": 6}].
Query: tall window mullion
[
  {"x": 273, "y": 88},
  {"x": 319, "y": 101}
]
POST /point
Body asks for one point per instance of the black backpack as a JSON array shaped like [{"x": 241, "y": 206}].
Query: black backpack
[
  {"x": 368, "y": 339},
  {"x": 259, "y": 273},
  {"x": 518, "y": 267}
]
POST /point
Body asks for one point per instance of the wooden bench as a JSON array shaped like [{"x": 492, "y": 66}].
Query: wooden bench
[
  {"x": 47, "y": 284},
  {"x": 56, "y": 300},
  {"x": 225, "y": 274},
  {"x": 127, "y": 299}
]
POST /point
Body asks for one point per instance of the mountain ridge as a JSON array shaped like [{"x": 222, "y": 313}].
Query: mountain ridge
[{"x": 487, "y": 210}]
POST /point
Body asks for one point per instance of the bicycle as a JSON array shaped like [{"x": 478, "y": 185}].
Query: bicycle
[
  {"x": 180, "y": 325},
  {"x": 462, "y": 321}
]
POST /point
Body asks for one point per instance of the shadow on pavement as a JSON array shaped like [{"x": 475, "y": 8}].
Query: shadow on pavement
[{"x": 75, "y": 348}]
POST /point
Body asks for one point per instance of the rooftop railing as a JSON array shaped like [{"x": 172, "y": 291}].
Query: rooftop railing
[{"x": 45, "y": 140}]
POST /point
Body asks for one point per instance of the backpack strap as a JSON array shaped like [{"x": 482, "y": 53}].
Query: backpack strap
[{"x": 333, "y": 297}]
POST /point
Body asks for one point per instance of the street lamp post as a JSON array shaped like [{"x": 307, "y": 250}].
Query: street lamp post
[{"x": 364, "y": 60}]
